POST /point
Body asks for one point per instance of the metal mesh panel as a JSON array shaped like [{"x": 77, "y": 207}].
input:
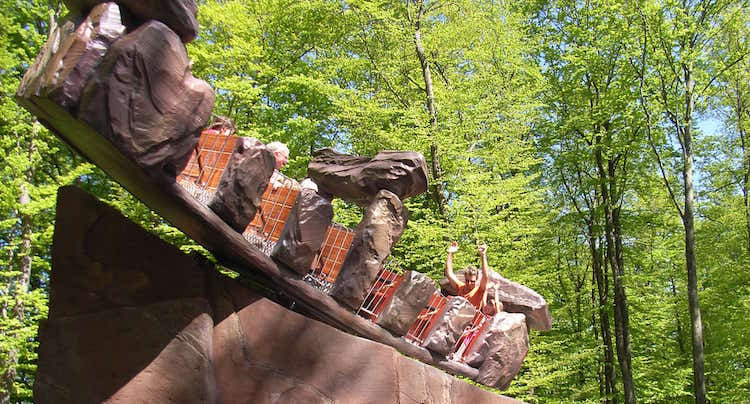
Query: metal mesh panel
[
  {"x": 327, "y": 263},
  {"x": 419, "y": 330},
  {"x": 468, "y": 338},
  {"x": 208, "y": 161},
  {"x": 276, "y": 204},
  {"x": 380, "y": 294},
  {"x": 201, "y": 194}
]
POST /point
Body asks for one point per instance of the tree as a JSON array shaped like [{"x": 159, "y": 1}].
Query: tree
[
  {"x": 595, "y": 143},
  {"x": 676, "y": 70},
  {"x": 733, "y": 100}
]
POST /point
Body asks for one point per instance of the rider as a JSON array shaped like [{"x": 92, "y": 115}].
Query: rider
[{"x": 474, "y": 291}]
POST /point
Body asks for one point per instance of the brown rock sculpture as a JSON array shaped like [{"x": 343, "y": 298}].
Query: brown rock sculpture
[
  {"x": 143, "y": 99},
  {"x": 408, "y": 300},
  {"x": 179, "y": 15},
  {"x": 304, "y": 231},
  {"x": 358, "y": 179},
  {"x": 381, "y": 227},
  {"x": 70, "y": 56},
  {"x": 516, "y": 298},
  {"x": 449, "y": 326},
  {"x": 149, "y": 324},
  {"x": 241, "y": 186},
  {"x": 500, "y": 349}
]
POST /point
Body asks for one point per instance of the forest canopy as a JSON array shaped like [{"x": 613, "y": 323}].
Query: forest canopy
[{"x": 600, "y": 149}]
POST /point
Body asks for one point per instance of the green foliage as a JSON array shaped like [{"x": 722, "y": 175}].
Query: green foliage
[
  {"x": 527, "y": 95},
  {"x": 32, "y": 164}
]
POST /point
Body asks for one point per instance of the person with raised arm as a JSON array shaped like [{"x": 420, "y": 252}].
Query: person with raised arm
[{"x": 474, "y": 286}]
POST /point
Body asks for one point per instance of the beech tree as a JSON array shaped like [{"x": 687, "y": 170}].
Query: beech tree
[
  {"x": 595, "y": 141},
  {"x": 676, "y": 69}
]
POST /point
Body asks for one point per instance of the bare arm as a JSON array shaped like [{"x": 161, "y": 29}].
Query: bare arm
[
  {"x": 449, "y": 267},
  {"x": 482, "y": 285}
]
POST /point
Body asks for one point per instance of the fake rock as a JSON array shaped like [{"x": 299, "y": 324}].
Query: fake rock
[
  {"x": 238, "y": 195},
  {"x": 358, "y": 179},
  {"x": 144, "y": 99},
  {"x": 380, "y": 229}
]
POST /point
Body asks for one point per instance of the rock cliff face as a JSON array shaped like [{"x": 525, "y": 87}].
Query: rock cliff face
[{"x": 132, "y": 319}]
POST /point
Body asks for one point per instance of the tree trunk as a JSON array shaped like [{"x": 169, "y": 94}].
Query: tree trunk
[
  {"x": 621, "y": 299},
  {"x": 745, "y": 181},
  {"x": 688, "y": 221},
  {"x": 8, "y": 376},
  {"x": 600, "y": 365},
  {"x": 24, "y": 250},
  {"x": 677, "y": 315},
  {"x": 603, "y": 292},
  {"x": 18, "y": 286},
  {"x": 740, "y": 111},
  {"x": 22, "y": 283},
  {"x": 607, "y": 181},
  {"x": 579, "y": 322},
  {"x": 438, "y": 195}
]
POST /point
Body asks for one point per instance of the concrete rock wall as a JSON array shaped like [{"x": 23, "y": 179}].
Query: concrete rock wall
[{"x": 132, "y": 319}]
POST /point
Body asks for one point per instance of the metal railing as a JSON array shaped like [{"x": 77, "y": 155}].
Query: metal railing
[
  {"x": 380, "y": 294},
  {"x": 426, "y": 319},
  {"x": 327, "y": 263},
  {"x": 207, "y": 162},
  {"x": 275, "y": 206},
  {"x": 468, "y": 338}
]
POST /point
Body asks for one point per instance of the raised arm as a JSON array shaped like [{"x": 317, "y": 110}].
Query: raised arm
[
  {"x": 482, "y": 284},
  {"x": 452, "y": 248}
]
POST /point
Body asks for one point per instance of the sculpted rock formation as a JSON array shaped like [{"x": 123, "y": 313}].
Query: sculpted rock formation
[
  {"x": 449, "y": 326},
  {"x": 500, "y": 350},
  {"x": 381, "y": 227},
  {"x": 71, "y": 55},
  {"x": 143, "y": 98},
  {"x": 146, "y": 323},
  {"x": 516, "y": 298},
  {"x": 242, "y": 184},
  {"x": 121, "y": 317},
  {"x": 304, "y": 231},
  {"x": 411, "y": 296},
  {"x": 358, "y": 179},
  {"x": 179, "y": 15}
]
